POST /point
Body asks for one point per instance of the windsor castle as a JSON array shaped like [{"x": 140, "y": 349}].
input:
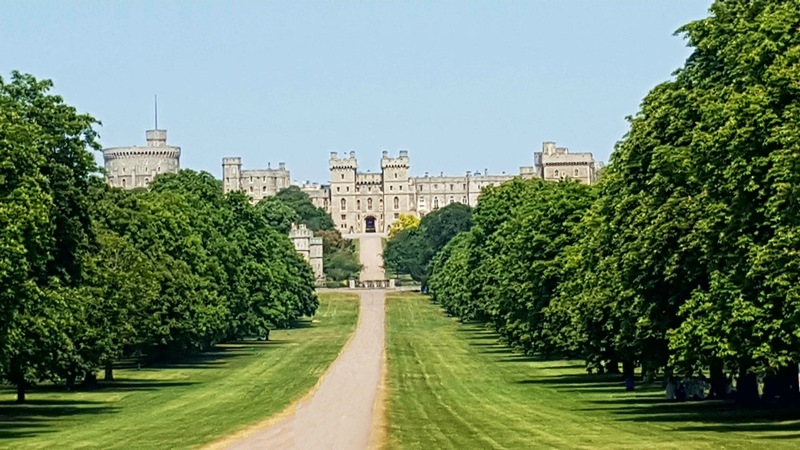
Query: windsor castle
[{"x": 358, "y": 202}]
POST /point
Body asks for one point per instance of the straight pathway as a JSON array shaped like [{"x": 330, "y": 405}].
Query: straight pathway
[
  {"x": 341, "y": 413},
  {"x": 370, "y": 252}
]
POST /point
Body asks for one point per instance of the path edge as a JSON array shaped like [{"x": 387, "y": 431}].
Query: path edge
[
  {"x": 291, "y": 409},
  {"x": 380, "y": 428}
]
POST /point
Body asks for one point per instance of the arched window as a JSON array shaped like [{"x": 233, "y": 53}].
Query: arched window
[
  {"x": 452, "y": 200},
  {"x": 369, "y": 204},
  {"x": 435, "y": 202},
  {"x": 396, "y": 203},
  {"x": 344, "y": 204},
  {"x": 146, "y": 180},
  {"x": 555, "y": 173},
  {"x": 124, "y": 182},
  {"x": 576, "y": 172},
  {"x": 358, "y": 205}
]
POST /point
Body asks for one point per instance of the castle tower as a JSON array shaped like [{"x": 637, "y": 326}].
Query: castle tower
[
  {"x": 343, "y": 192},
  {"x": 397, "y": 192},
  {"x": 231, "y": 174},
  {"x": 135, "y": 167}
]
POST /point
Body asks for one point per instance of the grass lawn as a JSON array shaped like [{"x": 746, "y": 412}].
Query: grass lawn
[
  {"x": 188, "y": 404},
  {"x": 453, "y": 386}
]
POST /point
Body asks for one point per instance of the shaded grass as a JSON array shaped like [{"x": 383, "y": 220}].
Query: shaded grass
[
  {"x": 453, "y": 385},
  {"x": 189, "y": 403}
]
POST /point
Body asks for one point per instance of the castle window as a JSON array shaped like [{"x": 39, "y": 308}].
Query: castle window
[
  {"x": 265, "y": 179},
  {"x": 436, "y": 186},
  {"x": 395, "y": 175},
  {"x": 124, "y": 182},
  {"x": 464, "y": 199},
  {"x": 369, "y": 204},
  {"x": 358, "y": 205},
  {"x": 147, "y": 180},
  {"x": 251, "y": 179},
  {"x": 465, "y": 186},
  {"x": 337, "y": 189},
  {"x": 396, "y": 215},
  {"x": 391, "y": 188},
  {"x": 452, "y": 200},
  {"x": 343, "y": 176},
  {"x": 451, "y": 187},
  {"x": 401, "y": 188},
  {"x": 159, "y": 169},
  {"x": 380, "y": 203},
  {"x": 369, "y": 188},
  {"x": 344, "y": 204},
  {"x": 344, "y": 217},
  {"x": 576, "y": 172},
  {"x": 348, "y": 188},
  {"x": 251, "y": 188},
  {"x": 264, "y": 189},
  {"x": 396, "y": 203},
  {"x": 435, "y": 202},
  {"x": 555, "y": 173}
]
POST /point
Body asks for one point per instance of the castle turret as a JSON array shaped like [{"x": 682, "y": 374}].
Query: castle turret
[{"x": 231, "y": 174}]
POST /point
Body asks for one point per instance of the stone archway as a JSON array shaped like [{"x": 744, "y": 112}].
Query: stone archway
[{"x": 369, "y": 224}]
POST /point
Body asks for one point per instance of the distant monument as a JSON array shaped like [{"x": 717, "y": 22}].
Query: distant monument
[{"x": 134, "y": 167}]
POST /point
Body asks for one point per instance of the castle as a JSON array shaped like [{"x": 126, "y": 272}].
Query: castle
[
  {"x": 361, "y": 202},
  {"x": 310, "y": 248},
  {"x": 135, "y": 167}
]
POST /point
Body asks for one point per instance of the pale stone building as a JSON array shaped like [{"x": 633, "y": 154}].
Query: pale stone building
[
  {"x": 310, "y": 248},
  {"x": 258, "y": 183},
  {"x": 557, "y": 163},
  {"x": 134, "y": 167},
  {"x": 364, "y": 202}
]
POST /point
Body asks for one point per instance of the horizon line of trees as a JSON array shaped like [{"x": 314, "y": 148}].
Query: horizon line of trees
[
  {"x": 91, "y": 274},
  {"x": 685, "y": 256}
]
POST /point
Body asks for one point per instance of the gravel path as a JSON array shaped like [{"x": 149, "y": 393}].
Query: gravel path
[
  {"x": 340, "y": 415},
  {"x": 370, "y": 251}
]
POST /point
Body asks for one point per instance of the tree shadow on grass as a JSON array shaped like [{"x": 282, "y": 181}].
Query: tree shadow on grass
[
  {"x": 38, "y": 416},
  {"x": 719, "y": 416}
]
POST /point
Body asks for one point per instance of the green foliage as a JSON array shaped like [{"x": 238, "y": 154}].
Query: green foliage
[
  {"x": 411, "y": 250},
  {"x": 313, "y": 217},
  {"x": 687, "y": 258},
  {"x": 91, "y": 274}
]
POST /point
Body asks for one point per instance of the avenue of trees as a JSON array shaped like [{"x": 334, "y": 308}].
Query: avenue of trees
[
  {"x": 685, "y": 256},
  {"x": 291, "y": 205},
  {"x": 91, "y": 274},
  {"x": 411, "y": 247}
]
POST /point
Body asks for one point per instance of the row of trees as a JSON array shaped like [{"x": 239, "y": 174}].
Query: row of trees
[
  {"x": 686, "y": 254},
  {"x": 91, "y": 274},
  {"x": 413, "y": 243}
]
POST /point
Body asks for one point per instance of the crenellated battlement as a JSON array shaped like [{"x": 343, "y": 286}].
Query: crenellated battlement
[
  {"x": 401, "y": 162},
  {"x": 347, "y": 163}
]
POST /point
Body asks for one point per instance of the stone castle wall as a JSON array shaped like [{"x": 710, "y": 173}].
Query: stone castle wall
[
  {"x": 360, "y": 202},
  {"x": 135, "y": 167}
]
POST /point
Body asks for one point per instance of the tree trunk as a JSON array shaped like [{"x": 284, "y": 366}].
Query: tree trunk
[
  {"x": 109, "y": 372},
  {"x": 787, "y": 385},
  {"x": 90, "y": 379},
  {"x": 612, "y": 367},
  {"x": 718, "y": 381},
  {"x": 628, "y": 372},
  {"x": 21, "y": 392},
  {"x": 747, "y": 388}
]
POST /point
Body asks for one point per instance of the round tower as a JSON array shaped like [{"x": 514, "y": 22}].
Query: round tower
[{"x": 134, "y": 167}]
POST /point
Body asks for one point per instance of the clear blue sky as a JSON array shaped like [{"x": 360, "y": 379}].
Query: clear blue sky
[{"x": 462, "y": 85}]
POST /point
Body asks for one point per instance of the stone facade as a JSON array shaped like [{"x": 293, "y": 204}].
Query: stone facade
[
  {"x": 258, "y": 183},
  {"x": 557, "y": 163},
  {"x": 135, "y": 167},
  {"x": 310, "y": 248},
  {"x": 360, "y": 202}
]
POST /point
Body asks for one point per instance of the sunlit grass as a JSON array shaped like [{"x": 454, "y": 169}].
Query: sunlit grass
[
  {"x": 188, "y": 404},
  {"x": 454, "y": 386}
]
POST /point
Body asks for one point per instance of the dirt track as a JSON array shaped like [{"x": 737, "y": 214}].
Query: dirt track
[{"x": 340, "y": 413}]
